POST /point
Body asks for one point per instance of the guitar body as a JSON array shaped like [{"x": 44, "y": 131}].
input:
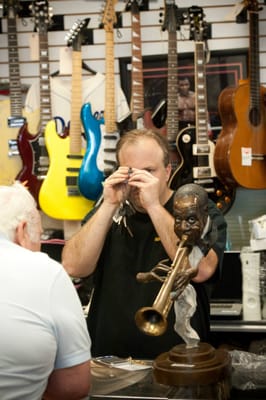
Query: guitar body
[
  {"x": 59, "y": 197},
  {"x": 240, "y": 141},
  {"x": 10, "y": 158},
  {"x": 199, "y": 168},
  {"x": 90, "y": 175}
]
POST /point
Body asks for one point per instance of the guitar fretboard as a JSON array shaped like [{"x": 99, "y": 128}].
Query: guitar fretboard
[
  {"x": 75, "y": 144},
  {"x": 201, "y": 98},
  {"x": 45, "y": 99},
  {"x": 172, "y": 86},
  {"x": 254, "y": 55},
  {"x": 109, "y": 110},
  {"x": 137, "y": 93},
  {"x": 14, "y": 72}
]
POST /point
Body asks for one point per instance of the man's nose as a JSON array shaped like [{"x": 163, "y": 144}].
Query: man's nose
[{"x": 185, "y": 225}]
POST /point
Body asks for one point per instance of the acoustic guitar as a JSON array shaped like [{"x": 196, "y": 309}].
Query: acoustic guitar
[
  {"x": 102, "y": 133},
  {"x": 171, "y": 128},
  {"x": 195, "y": 148},
  {"x": 11, "y": 113},
  {"x": 240, "y": 152},
  {"x": 59, "y": 195},
  {"x": 32, "y": 148}
]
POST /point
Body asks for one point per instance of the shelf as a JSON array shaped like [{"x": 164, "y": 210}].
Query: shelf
[{"x": 238, "y": 326}]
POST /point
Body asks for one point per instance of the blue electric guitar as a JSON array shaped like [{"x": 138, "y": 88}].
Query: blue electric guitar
[
  {"x": 101, "y": 134},
  {"x": 59, "y": 195}
]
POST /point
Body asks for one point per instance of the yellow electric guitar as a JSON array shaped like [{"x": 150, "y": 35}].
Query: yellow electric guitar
[
  {"x": 12, "y": 116},
  {"x": 59, "y": 195}
]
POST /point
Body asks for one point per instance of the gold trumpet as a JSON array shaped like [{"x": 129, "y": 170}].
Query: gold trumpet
[{"x": 153, "y": 320}]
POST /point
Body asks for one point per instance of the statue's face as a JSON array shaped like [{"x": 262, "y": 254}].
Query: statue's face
[{"x": 190, "y": 219}]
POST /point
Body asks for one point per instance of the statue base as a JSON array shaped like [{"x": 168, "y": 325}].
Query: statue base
[{"x": 203, "y": 369}]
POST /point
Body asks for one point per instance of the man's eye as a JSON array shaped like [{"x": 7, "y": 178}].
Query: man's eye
[
  {"x": 150, "y": 170},
  {"x": 191, "y": 220}
]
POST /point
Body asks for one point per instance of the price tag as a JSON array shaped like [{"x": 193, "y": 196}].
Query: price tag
[{"x": 246, "y": 156}]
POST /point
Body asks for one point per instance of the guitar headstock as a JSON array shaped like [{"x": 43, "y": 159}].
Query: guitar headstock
[
  {"x": 198, "y": 25},
  {"x": 253, "y": 5},
  {"x": 171, "y": 21},
  {"x": 109, "y": 16},
  {"x": 75, "y": 36},
  {"x": 134, "y": 6},
  {"x": 11, "y": 8},
  {"x": 42, "y": 15}
]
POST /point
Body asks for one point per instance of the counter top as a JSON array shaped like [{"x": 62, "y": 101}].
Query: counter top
[{"x": 115, "y": 383}]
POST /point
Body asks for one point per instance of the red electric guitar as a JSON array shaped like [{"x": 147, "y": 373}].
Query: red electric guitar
[{"x": 32, "y": 147}]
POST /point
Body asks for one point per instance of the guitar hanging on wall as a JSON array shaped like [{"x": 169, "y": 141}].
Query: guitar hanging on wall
[
  {"x": 196, "y": 150},
  {"x": 32, "y": 147},
  {"x": 171, "y": 128},
  {"x": 11, "y": 109},
  {"x": 101, "y": 134},
  {"x": 240, "y": 152},
  {"x": 59, "y": 195}
]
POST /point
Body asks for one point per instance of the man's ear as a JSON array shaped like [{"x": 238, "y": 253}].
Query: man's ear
[
  {"x": 168, "y": 170},
  {"x": 21, "y": 233}
]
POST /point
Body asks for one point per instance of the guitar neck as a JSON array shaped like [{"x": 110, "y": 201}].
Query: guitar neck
[
  {"x": 45, "y": 97},
  {"x": 109, "y": 110},
  {"x": 76, "y": 101},
  {"x": 14, "y": 72},
  {"x": 172, "y": 86},
  {"x": 201, "y": 95},
  {"x": 254, "y": 55},
  {"x": 137, "y": 92}
]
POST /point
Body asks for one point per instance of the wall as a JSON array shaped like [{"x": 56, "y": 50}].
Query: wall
[{"x": 226, "y": 35}]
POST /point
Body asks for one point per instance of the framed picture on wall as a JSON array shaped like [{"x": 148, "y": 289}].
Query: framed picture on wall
[{"x": 225, "y": 68}]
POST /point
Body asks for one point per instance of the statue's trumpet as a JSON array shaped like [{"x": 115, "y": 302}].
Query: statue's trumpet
[{"x": 153, "y": 320}]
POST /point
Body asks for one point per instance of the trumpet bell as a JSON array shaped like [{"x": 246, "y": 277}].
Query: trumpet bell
[{"x": 151, "y": 321}]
